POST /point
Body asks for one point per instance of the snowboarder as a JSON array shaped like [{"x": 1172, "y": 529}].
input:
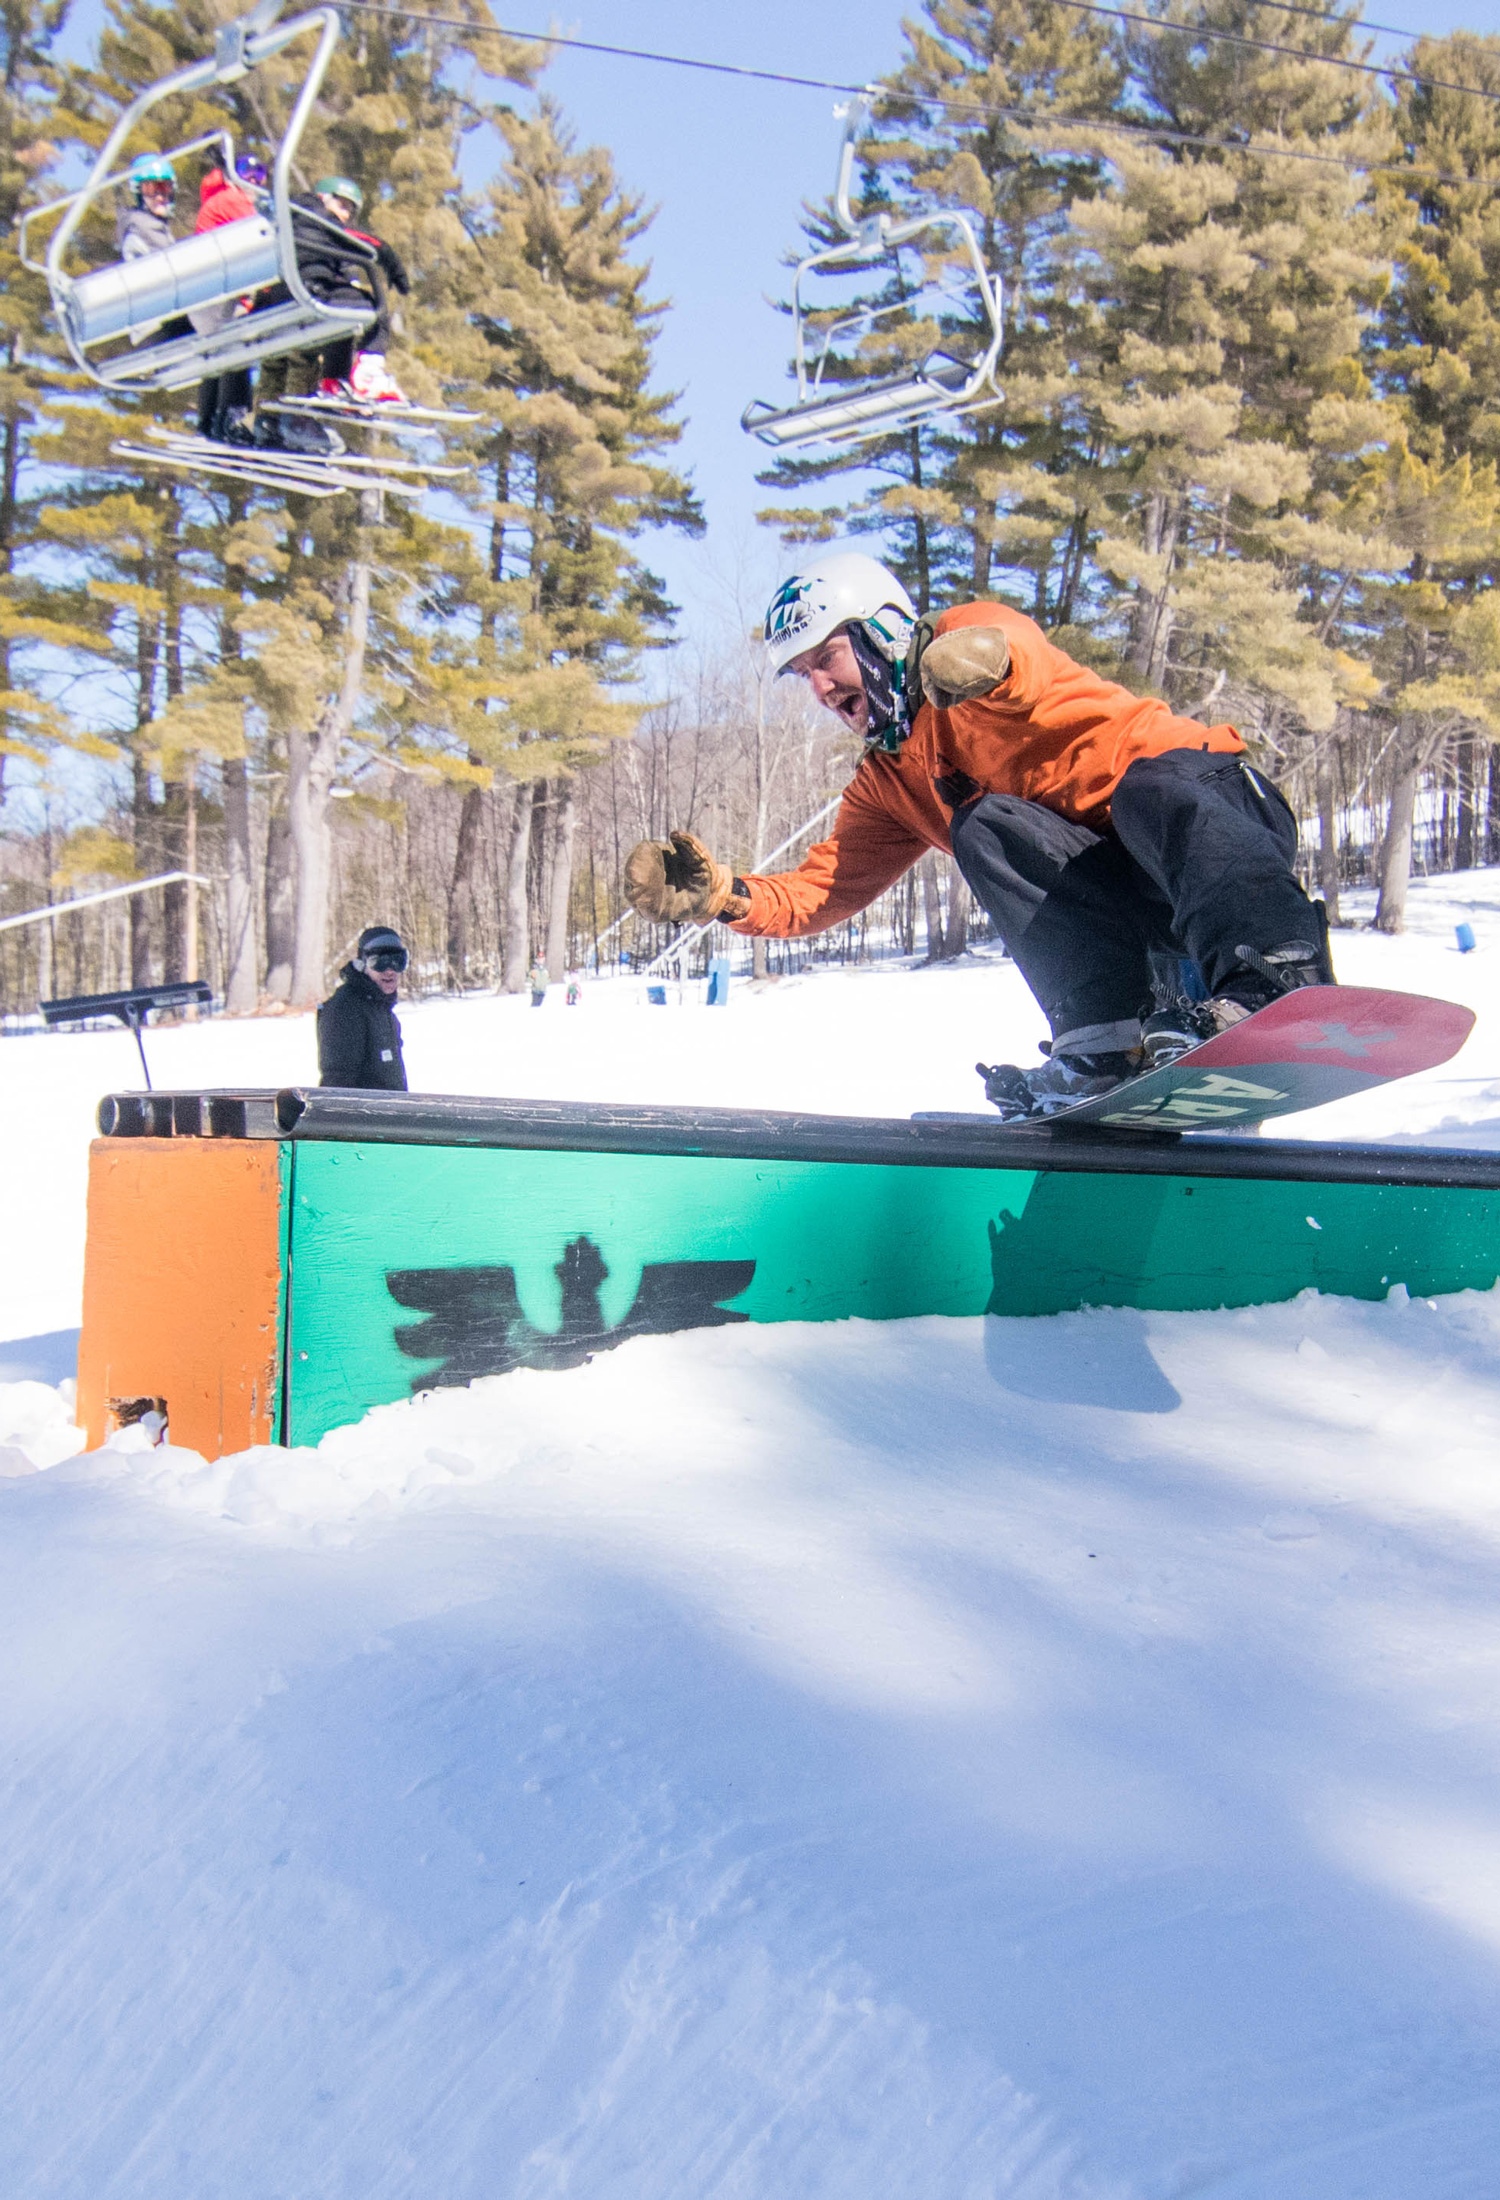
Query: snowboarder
[
  {"x": 339, "y": 277},
  {"x": 1107, "y": 838},
  {"x": 538, "y": 979},
  {"x": 359, "y": 1039}
]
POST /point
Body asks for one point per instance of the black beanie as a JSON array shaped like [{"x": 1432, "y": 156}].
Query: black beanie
[{"x": 376, "y": 936}]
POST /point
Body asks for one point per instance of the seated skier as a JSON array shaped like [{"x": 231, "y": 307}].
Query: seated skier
[
  {"x": 1106, "y": 837},
  {"x": 346, "y": 369},
  {"x": 145, "y": 225},
  {"x": 224, "y": 399}
]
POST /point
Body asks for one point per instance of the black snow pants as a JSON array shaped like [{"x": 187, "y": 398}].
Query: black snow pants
[{"x": 1197, "y": 862}]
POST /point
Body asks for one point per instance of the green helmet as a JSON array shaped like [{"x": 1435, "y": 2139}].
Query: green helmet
[
  {"x": 150, "y": 168},
  {"x": 340, "y": 187}
]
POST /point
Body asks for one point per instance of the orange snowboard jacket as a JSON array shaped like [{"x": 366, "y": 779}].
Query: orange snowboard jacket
[{"x": 1052, "y": 732}]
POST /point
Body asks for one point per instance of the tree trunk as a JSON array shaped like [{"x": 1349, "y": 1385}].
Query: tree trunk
[
  {"x": 960, "y": 903},
  {"x": 461, "y": 884},
  {"x": 312, "y": 759},
  {"x": 565, "y": 824},
  {"x": 281, "y": 901},
  {"x": 239, "y": 944},
  {"x": 1463, "y": 852},
  {"x": 517, "y": 955},
  {"x": 143, "y": 838},
  {"x": 190, "y": 865},
  {"x": 174, "y": 899},
  {"x": 1324, "y": 758},
  {"x": 932, "y": 906},
  {"x": 1395, "y": 849}
]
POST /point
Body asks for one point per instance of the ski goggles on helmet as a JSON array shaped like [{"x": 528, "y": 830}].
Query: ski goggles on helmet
[
  {"x": 386, "y": 958},
  {"x": 250, "y": 170}
]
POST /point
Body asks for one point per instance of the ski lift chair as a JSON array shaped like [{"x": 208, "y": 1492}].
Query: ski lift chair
[
  {"x": 136, "y": 297},
  {"x": 849, "y": 412}
]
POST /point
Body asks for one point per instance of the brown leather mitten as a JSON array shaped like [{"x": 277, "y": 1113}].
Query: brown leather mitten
[
  {"x": 961, "y": 666},
  {"x": 677, "y": 881}
]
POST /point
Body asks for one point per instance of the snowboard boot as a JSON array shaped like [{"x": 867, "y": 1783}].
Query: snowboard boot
[
  {"x": 1254, "y": 983},
  {"x": 1026, "y": 1095}
]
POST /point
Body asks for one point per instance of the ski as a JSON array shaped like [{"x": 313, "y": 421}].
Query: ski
[
  {"x": 1318, "y": 1044},
  {"x": 295, "y": 477},
  {"x": 348, "y": 461},
  {"x": 369, "y": 414}
]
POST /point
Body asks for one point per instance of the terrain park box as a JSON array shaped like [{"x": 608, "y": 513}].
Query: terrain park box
[{"x": 275, "y": 1264}]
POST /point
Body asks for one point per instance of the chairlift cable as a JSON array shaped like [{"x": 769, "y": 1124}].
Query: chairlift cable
[
  {"x": 1196, "y": 33},
  {"x": 975, "y": 110}
]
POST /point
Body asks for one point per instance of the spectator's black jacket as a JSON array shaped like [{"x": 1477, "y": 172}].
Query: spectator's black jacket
[{"x": 359, "y": 1039}]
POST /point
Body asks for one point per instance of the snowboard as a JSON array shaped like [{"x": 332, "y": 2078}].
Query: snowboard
[{"x": 1318, "y": 1044}]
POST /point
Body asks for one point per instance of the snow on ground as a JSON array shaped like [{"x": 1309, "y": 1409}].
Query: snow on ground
[{"x": 944, "y": 1758}]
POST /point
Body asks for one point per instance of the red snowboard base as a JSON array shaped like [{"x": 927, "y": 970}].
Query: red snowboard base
[{"x": 1318, "y": 1044}]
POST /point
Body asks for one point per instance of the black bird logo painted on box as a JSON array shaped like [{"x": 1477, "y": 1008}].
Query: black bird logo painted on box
[{"x": 476, "y": 1325}]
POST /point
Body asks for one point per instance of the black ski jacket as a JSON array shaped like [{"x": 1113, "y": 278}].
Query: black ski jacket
[
  {"x": 327, "y": 264},
  {"x": 359, "y": 1039}
]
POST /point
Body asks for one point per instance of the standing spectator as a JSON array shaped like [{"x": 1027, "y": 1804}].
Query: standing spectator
[
  {"x": 538, "y": 981},
  {"x": 359, "y": 1039}
]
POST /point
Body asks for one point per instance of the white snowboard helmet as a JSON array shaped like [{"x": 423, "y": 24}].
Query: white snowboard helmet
[{"x": 810, "y": 606}]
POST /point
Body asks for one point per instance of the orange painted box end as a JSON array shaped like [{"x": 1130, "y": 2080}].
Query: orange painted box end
[{"x": 183, "y": 1288}]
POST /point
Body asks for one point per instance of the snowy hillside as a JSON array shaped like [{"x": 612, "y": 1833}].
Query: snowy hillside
[{"x": 935, "y": 1759}]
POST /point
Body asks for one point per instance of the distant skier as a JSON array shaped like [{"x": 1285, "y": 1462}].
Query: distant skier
[
  {"x": 1095, "y": 826},
  {"x": 538, "y": 980},
  {"x": 359, "y": 1039}
]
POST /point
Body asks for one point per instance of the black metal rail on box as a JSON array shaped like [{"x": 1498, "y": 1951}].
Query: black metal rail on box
[{"x": 415, "y": 1119}]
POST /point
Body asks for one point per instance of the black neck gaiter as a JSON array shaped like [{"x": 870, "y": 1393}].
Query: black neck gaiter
[{"x": 881, "y": 679}]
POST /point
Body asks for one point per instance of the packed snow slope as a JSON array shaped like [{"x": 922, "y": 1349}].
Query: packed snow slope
[{"x": 944, "y": 1759}]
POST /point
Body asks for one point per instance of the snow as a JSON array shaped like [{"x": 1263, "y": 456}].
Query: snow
[{"x": 959, "y": 1758}]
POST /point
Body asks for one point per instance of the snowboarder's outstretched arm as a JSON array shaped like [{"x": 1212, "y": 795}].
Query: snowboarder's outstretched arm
[{"x": 867, "y": 851}]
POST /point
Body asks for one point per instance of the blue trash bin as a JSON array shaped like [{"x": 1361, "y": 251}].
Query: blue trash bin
[{"x": 657, "y": 995}]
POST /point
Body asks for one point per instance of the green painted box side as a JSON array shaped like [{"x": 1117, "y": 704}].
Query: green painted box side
[{"x": 484, "y": 1258}]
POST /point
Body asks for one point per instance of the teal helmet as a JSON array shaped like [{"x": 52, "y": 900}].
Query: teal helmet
[
  {"x": 340, "y": 187},
  {"x": 151, "y": 168}
]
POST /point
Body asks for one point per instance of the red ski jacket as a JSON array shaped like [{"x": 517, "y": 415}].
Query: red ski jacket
[
  {"x": 221, "y": 199},
  {"x": 1052, "y": 732}
]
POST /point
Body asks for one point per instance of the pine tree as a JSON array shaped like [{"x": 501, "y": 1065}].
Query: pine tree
[
  {"x": 34, "y": 726},
  {"x": 1435, "y": 492},
  {"x": 572, "y": 457},
  {"x": 335, "y": 585}
]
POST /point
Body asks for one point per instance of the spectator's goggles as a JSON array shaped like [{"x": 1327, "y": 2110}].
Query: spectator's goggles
[{"x": 386, "y": 958}]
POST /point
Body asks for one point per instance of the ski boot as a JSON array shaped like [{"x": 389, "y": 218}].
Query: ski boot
[
  {"x": 371, "y": 383},
  {"x": 302, "y": 438},
  {"x": 1031, "y": 1095},
  {"x": 235, "y": 426},
  {"x": 1254, "y": 983}
]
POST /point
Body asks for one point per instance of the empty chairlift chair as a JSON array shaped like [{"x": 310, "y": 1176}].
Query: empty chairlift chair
[{"x": 849, "y": 412}]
